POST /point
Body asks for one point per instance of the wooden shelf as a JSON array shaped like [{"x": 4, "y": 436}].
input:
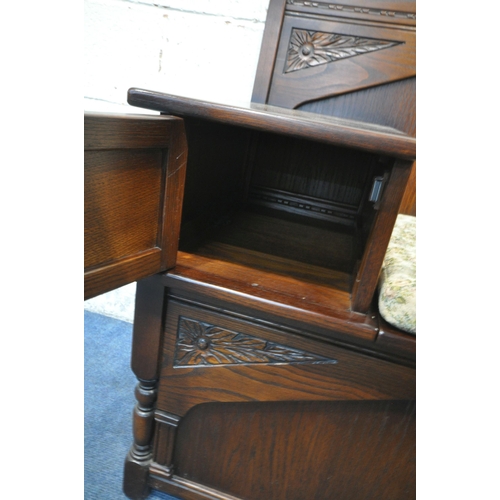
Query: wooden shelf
[
  {"x": 285, "y": 244},
  {"x": 271, "y": 291},
  {"x": 314, "y": 275}
]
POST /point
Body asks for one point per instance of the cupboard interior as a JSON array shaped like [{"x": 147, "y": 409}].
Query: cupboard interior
[{"x": 289, "y": 206}]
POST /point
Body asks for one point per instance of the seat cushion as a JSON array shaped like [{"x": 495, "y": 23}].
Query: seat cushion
[{"x": 398, "y": 280}]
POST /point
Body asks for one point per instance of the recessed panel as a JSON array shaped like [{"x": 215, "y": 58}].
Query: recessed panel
[
  {"x": 319, "y": 57},
  {"x": 123, "y": 196}
]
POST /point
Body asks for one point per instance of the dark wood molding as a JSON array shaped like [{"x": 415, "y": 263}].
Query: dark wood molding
[
  {"x": 166, "y": 429},
  {"x": 409, "y": 202},
  {"x": 186, "y": 489},
  {"x": 275, "y": 297},
  {"x": 272, "y": 32},
  {"x": 329, "y": 130},
  {"x": 392, "y": 11},
  {"x": 150, "y": 304}
]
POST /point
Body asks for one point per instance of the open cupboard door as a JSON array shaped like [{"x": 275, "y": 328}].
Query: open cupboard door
[{"x": 134, "y": 183}]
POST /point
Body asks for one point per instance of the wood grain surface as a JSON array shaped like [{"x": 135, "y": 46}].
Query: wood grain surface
[
  {"x": 272, "y": 294},
  {"x": 134, "y": 184},
  {"x": 347, "y": 133},
  {"x": 297, "y": 451},
  {"x": 394, "y": 58},
  {"x": 352, "y": 376}
]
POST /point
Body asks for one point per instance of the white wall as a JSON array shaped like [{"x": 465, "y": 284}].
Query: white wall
[{"x": 206, "y": 49}]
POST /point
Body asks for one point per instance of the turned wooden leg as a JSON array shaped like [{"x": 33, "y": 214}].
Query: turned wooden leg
[
  {"x": 135, "y": 483},
  {"x": 149, "y": 310}
]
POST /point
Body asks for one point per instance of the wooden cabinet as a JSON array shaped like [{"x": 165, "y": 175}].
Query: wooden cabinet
[
  {"x": 268, "y": 313},
  {"x": 265, "y": 371}
]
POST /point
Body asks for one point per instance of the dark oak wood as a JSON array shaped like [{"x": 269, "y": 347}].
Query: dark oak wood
[
  {"x": 139, "y": 457},
  {"x": 134, "y": 181},
  {"x": 185, "y": 489},
  {"x": 166, "y": 432},
  {"x": 270, "y": 373},
  {"x": 394, "y": 340},
  {"x": 375, "y": 55},
  {"x": 244, "y": 361},
  {"x": 120, "y": 177},
  {"x": 392, "y": 104},
  {"x": 372, "y": 251},
  {"x": 326, "y": 50},
  {"x": 369, "y": 271},
  {"x": 399, "y": 12},
  {"x": 264, "y": 369},
  {"x": 270, "y": 39},
  {"x": 322, "y": 458},
  {"x": 146, "y": 345},
  {"x": 270, "y": 304},
  {"x": 330, "y": 130},
  {"x": 316, "y": 444},
  {"x": 409, "y": 202},
  {"x": 273, "y": 295},
  {"x": 148, "y": 327},
  {"x": 343, "y": 88}
]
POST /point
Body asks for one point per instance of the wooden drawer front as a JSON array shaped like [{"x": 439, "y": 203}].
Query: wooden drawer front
[
  {"x": 211, "y": 357},
  {"x": 134, "y": 178}
]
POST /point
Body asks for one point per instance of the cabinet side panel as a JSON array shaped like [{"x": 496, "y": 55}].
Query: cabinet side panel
[{"x": 293, "y": 451}]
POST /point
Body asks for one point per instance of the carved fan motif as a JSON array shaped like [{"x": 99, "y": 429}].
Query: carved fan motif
[
  {"x": 313, "y": 48},
  {"x": 200, "y": 343}
]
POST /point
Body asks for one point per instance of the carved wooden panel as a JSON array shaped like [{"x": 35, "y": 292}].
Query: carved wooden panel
[
  {"x": 319, "y": 57},
  {"x": 200, "y": 343},
  {"x": 313, "y": 48},
  {"x": 249, "y": 369}
]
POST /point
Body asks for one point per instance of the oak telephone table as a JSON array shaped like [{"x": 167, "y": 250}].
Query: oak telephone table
[
  {"x": 262, "y": 369},
  {"x": 257, "y": 234}
]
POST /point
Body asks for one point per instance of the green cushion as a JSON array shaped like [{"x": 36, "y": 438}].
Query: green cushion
[{"x": 398, "y": 280}]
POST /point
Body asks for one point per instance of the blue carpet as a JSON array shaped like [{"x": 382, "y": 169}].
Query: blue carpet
[{"x": 109, "y": 401}]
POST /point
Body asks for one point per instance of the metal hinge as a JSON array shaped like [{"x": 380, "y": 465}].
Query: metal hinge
[{"x": 377, "y": 189}]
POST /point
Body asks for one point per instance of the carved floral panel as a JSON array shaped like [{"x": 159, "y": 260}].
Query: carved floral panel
[
  {"x": 313, "y": 48},
  {"x": 200, "y": 343}
]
